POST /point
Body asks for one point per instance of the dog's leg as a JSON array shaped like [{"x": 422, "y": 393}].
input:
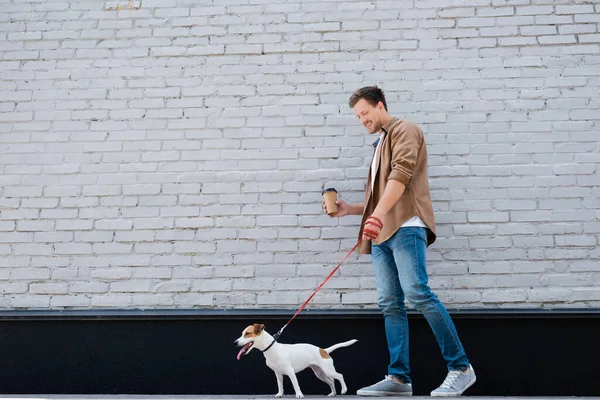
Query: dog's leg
[
  {"x": 279, "y": 384},
  {"x": 331, "y": 373},
  {"x": 292, "y": 376},
  {"x": 340, "y": 378},
  {"x": 321, "y": 375}
]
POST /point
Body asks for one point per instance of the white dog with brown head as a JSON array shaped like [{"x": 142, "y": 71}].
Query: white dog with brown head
[{"x": 288, "y": 359}]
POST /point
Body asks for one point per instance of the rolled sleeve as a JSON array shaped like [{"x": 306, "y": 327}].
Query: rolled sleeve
[
  {"x": 406, "y": 140},
  {"x": 401, "y": 176}
]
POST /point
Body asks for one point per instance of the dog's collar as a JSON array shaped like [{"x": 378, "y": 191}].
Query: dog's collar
[
  {"x": 268, "y": 347},
  {"x": 275, "y": 337}
]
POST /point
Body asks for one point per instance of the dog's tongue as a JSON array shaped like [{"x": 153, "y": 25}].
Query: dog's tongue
[{"x": 243, "y": 350}]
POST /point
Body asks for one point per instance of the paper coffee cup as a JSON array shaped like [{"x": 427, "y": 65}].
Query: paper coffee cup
[{"x": 330, "y": 196}]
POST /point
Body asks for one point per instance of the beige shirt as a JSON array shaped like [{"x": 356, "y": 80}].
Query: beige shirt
[{"x": 402, "y": 156}]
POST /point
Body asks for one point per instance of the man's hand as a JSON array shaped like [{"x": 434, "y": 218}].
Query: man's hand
[
  {"x": 371, "y": 228},
  {"x": 342, "y": 206}
]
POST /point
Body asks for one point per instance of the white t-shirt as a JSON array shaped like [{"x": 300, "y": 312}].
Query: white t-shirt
[{"x": 414, "y": 221}]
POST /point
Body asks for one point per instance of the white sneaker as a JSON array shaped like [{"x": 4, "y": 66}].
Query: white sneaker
[{"x": 456, "y": 383}]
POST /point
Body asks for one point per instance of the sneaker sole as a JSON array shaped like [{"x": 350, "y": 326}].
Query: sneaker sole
[
  {"x": 374, "y": 393},
  {"x": 454, "y": 394}
]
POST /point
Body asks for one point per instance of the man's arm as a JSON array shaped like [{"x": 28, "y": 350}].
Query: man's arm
[
  {"x": 356, "y": 209},
  {"x": 346, "y": 209},
  {"x": 374, "y": 223},
  {"x": 393, "y": 191}
]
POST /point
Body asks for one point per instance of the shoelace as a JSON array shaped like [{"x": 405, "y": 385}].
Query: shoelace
[{"x": 450, "y": 379}]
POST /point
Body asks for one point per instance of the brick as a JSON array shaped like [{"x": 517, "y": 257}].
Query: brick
[
  {"x": 130, "y": 286},
  {"x": 277, "y": 298},
  {"x": 32, "y": 226},
  {"x": 29, "y": 301},
  {"x": 72, "y": 248},
  {"x": 364, "y": 297},
  {"x": 111, "y": 274},
  {"x": 70, "y": 301},
  {"x": 48, "y": 288},
  {"x": 504, "y": 296},
  {"x": 562, "y": 39},
  {"x": 61, "y": 273},
  {"x": 534, "y": 10},
  {"x": 111, "y": 300},
  {"x": 574, "y": 9}
]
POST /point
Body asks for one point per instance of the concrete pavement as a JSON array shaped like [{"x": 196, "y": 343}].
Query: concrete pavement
[{"x": 241, "y": 397}]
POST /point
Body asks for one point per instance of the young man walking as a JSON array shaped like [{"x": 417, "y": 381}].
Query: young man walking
[{"x": 396, "y": 228}]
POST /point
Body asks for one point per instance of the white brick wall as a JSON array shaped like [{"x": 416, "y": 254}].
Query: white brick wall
[{"x": 171, "y": 153}]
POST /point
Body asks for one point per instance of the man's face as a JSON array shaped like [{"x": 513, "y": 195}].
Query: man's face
[{"x": 370, "y": 116}]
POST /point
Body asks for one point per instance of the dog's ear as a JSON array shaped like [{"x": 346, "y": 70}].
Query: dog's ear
[{"x": 258, "y": 328}]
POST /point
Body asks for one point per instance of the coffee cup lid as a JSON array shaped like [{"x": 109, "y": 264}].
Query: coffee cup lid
[{"x": 329, "y": 190}]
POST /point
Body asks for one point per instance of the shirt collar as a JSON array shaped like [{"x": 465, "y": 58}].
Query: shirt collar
[{"x": 386, "y": 128}]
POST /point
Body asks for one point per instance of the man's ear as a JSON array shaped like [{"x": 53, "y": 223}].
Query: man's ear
[{"x": 258, "y": 328}]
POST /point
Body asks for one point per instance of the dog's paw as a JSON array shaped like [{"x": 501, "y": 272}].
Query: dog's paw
[
  {"x": 332, "y": 394},
  {"x": 278, "y": 395},
  {"x": 299, "y": 396}
]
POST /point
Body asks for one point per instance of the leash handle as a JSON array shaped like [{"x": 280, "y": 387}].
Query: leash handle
[{"x": 319, "y": 288}]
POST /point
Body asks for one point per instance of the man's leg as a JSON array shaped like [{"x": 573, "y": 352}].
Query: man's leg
[
  {"x": 390, "y": 299},
  {"x": 391, "y": 302},
  {"x": 409, "y": 247}
]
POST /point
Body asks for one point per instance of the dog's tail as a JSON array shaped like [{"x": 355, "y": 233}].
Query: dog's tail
[{"x": 337, "y": 346}]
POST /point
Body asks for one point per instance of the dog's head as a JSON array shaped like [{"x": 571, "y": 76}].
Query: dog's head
[{"x": 251, "y": 334}]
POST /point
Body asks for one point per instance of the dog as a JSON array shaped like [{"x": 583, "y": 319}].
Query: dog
[{"x": 288, "y": 359}]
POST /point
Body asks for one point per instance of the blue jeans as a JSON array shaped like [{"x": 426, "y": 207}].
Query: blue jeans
[{"x": 400, "y": 273}]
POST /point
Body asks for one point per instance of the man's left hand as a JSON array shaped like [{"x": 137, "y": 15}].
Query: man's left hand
[{"x": 371, "y": 228}]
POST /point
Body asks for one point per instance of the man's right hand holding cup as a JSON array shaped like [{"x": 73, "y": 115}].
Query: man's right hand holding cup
[{"x": 343, "y": 209}]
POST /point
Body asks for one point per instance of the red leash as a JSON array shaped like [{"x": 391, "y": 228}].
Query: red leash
[{"x": 313, "y": 295}]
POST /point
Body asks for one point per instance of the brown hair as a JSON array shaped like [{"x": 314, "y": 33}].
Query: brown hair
[{"x": 372, "y": 94}]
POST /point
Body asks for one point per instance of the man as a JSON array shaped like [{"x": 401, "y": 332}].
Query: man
[{"x": 396, "y": 228}]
